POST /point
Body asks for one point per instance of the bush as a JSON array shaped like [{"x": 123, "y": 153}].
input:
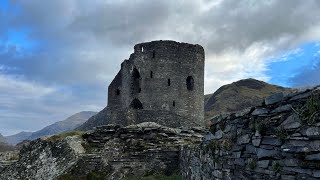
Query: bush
[
  {"x": 252, "y": 164},
  {"x": 282, "y": 134},
  {"x": 261, "y": 127},
  {"x": 276, "y": 167},
  {"x": 310, "y": 111}
]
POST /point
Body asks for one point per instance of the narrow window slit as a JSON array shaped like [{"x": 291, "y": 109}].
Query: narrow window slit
[
  {"x": 118, "y": 92},
  {"x": 169, "y": 82},
  {"x": 173, "y": 103},
  {"x": 151, "y": 74}
]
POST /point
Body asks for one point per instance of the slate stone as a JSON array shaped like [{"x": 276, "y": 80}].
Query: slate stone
[
  {"x": 263, "y": 163},
  {"x": 244, "y": 139},
  {"x": 287, "y": 177},
  {"x": 236, "y": 154},
  {"x": 313, "y": 157},
  {"x": 281, "y": 109},
  {"x": 239, "y": 161},
  {"x": 218, "y": 135},
  {"x": 313, "y": 132},
  {"x": 275, "y": 98},
  {"x": 264, "y": 153},
  {"x": 251, "y": 149},
  {"x": 298, "y": 170},
  {"x": 271, "y": 141},
  {"x": 316, "y": 173},
  {"x": 292, "y": 122},
  {"x": 256, "y": 141},
  {"x": 290, "y": 162},
  {"x": 260, "y": 111}
]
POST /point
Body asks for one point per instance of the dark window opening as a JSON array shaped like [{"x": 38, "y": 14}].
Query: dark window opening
[
  {"x": 135, "y": 81},
  {"x": 153, "y": 54},
  {"x": 136, "y": 104},
  {"x": 118, "y": 92},
  {"x": 190, "y": 83},
  {"x": 169, "y": 82},
  {"x": 173, "y": 103},
  {"x": 151, "y": 74},
  {"x": 139, "y": 90}
]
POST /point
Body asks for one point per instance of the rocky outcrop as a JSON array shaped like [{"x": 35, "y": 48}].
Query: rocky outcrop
[
  {"x": 110, "y": 152},
  {"x": 43, "y": 159},
  {"x": 278, "y": 140}
]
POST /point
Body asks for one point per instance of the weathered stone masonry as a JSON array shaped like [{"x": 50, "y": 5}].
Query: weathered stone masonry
[
  {"x": 278, "y": 140},
  {"x": 161, "y": 82}
]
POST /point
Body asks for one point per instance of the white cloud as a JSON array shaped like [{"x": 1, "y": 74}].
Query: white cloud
[{"x": 82, "y": 43}]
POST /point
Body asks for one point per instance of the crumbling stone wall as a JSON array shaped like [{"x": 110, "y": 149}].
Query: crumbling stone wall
[
  {"x": 278, "y": 140},
  {"x": 159, "y": 76}
]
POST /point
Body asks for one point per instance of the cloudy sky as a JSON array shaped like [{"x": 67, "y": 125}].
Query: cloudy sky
[{"x": 57, "y": 57}]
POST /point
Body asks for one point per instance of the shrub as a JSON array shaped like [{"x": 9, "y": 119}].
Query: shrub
[
  {"x": 261, "y": 127},
  {"x": 310, "y": 111},
  {"x": 276, "y": 167},
  {"x": 282, "y": 134},
  {"x": 252, "y": 164}
]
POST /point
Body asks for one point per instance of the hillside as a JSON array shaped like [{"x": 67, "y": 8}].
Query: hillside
[
  {"x": 17, "y": 138},
  {"x": 2, "y": 139},
  {"x": 69, "y": 124},
  {"x": 96, "y": 120},
  {"x": 3, "y": 144},
  {"x": 238, "y": 95}
]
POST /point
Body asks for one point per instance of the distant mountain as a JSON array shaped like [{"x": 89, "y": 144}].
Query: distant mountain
[
  {"x": 238, "y": 96},
  {"x": 69, "y": 124},
  {"x": 17, "y": 138},
  {"x": 96, "y": 120},
  {"x": 2, "y": 139},
  {"x": 3, "y": 144}
]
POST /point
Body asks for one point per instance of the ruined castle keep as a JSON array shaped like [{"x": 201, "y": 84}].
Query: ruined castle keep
[{"x": 162, "y": 82}]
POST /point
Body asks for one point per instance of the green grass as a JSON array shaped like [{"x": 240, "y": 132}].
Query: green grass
[
  {"x": 252, "y": 164},
  {"x": 310, "y": 111},
  {"x": 276, "y": 167},
  {"x": 282, "y": 134},
  {"x": 64, "y": 135},
  {"x": 261, "y": 127}
]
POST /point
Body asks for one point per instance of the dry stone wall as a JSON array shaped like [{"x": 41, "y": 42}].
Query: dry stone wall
[{"x": 278, "y": 140}]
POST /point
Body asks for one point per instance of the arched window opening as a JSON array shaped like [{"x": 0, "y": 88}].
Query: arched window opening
[
  {"x": 173, "y": 103},
  {"x": 136, "y": 104},
  {"x": 153, "y": 54},
  {"x": 169, "y": 82},
  {"x": 135, "y": 81},
  {"x": 118, "y": 92},
  {"x": 151, "y": 74},
  {"x": 190, "y": 83},
  {"x": 142, "y": 48}
]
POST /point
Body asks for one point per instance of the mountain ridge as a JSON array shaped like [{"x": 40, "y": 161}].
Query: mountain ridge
[{"x": 68, "y": 124}]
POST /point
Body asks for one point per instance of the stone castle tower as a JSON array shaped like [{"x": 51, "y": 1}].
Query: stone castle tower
[{"x": 162, "y": 82}]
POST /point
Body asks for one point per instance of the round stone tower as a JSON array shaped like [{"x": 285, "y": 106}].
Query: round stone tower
[{"x": 163, "y": 82}]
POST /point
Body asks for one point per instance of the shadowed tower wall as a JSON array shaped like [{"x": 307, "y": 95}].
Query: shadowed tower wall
[{"x": 163, "y": 82}]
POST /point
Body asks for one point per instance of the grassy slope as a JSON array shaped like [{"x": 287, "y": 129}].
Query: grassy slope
[{"x": 238, "y": 96}]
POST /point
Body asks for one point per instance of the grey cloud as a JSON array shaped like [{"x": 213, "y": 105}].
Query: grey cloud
[{"x": 82, "y": 43}]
